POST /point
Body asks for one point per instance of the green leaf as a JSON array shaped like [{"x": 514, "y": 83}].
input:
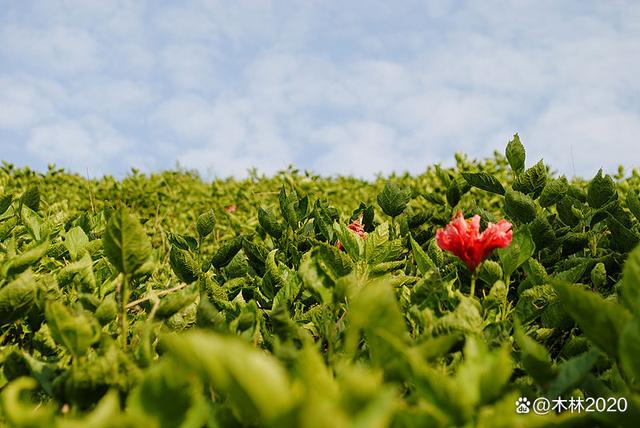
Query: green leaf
[
  {"x": 519, "y": 206},
  {"x": 273, "y": 271},
  {"x": 5, "y": 203},
  {"x": 453, "y": 193},
  {"x": 520, "y": 250},
  {"x": 533, "y": 301},
  {"x": 571, "y": 372},
  {"x": 256, "y": 254},
  {"x": 31, "y": 198},
  {"x": 532, "y": 180},
  {"x": 535, "y": 271},
  {"x": 22, "y": 261},
  {"x": 352, "y": 243},
  {"x": 17, "y": 297},
  {"x": 289, "y": 207},
  {"x": 553, "y": 191},
  {"x": 7, "y": 227},
  {"x": 535, "y": 358},
  {"x": 633, "y": 203},
  {"x": 76, "y": 240},
  {"x": 169, "y": 397},
  {"x": 76, "y": 331},
  {"x": 484, "y": 374},
  {"x": 601, "y": 190},
  {"x": 572, "y": 274},
  {"x": 80, "y": 271},
  {"x": 184, "y": 242},
  {"x": 599, "y": 275},
  {"x": 107, "y": 311},
  {"x": 425, "y": 264},
  {"x": 321, "y": 268},
  {"x": 175, "y": 302},
  {"x": 322, "y": 221},
  {"x": 374, "y": 310},
  {"x": 44, "y": 373},
  {"x": 624, "y": 239},
  {"x": 437, "y": 347},
  {"x": 516, "y": 155},
  {"x": 566, "y": 208},
  {"x": 394, "y": 198},
  {"x": 125, "y": 242},
  {"x": 484, "y": 181},
  {"x": 226, "y": 252},
  {"x": 106, "y": 414},
  {"x": 490, "y": 272},
  {"x": 184, "y": 265},
  {"x": 602, "y": 321},
  {"x": 542, "y": 232},
  {"x": 269, "y": 222},
  {"x": 289, "y": 290},
  {"x": 205, "y": 224},
  {"x": 630, "y": 290},
  {"x": 465, "y": 318},
  {"x": 630, "y": 349},
  {"x": 379, "y": 249},
  {"x": 254, "y": 383},
  {"x": 32, "y": 221},
  {"x": 20, "y": 414}
]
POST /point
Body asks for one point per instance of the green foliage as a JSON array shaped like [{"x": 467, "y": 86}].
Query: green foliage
[
  {"x": 519, "y": 206},
  {"x": 535, "y": 358},
  {"x": 516, "y": 155},
  {"x": 31, "y": 198},
  {"x": 601, "y": 321},
  {"x": 125, "y": 242},
  {"x": 5, "y": 203},
  {"x": 533, "y": 180},
  {"x": 553, "y": 191},
  {"x": 73, "y": 330},
  {"x": 269, "y": 222},
  {"x": 226, "y": 252},
  {"x": 394, "y": 198},
  {"x": 17, "y": 297},
  {"x": 520, "y": 250},
  {"x": 205, "y": 223},
  {"x": 484, "y": 181},
  {"x": 601, "y": 190},
  {"x": 184, "y": 265},
  {"x": 176, "y": 311}
]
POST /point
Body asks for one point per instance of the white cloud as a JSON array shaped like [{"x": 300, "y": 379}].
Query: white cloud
[
  {"x": 238, "y": 138},
  {"x": 115, "y": 98},
  {"x": 358, "y": 148},
  {"x": 88, "y": 143},
  {"x": 60, "y": 49},
  {"x": 24, "y": 102},
  {"x": 189, "y": 118},
  {"x": 340, "y": 88},
  {"x": 191, "y": 66},
  {"x": 571, "y": 139}
]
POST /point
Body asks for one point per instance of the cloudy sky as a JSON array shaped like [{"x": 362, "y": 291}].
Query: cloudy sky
[{"x": 336, "y": 87}]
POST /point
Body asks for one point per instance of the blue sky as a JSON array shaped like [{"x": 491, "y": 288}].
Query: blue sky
[{"x": 356, "y": 87}]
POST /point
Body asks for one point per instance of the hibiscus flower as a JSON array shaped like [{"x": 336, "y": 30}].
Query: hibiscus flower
[{"x": 463, "y": 238}]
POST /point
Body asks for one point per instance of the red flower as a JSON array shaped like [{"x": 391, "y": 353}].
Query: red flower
[
  {"x": 358, "y": 228},
  {"x": 463, "y": 238},
  {"x": 231, "y": 208}
]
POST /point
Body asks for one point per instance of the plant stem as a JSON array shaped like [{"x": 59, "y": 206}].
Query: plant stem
[
  {"x": 474, "y": 276},
  {"x": 392, "y": 232},
  {"x": 158, "y": 294},
  {"x": 124, "y": 298}
]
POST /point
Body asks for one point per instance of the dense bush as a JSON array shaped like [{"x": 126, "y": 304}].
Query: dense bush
[{"x": 162, "y": 300}]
